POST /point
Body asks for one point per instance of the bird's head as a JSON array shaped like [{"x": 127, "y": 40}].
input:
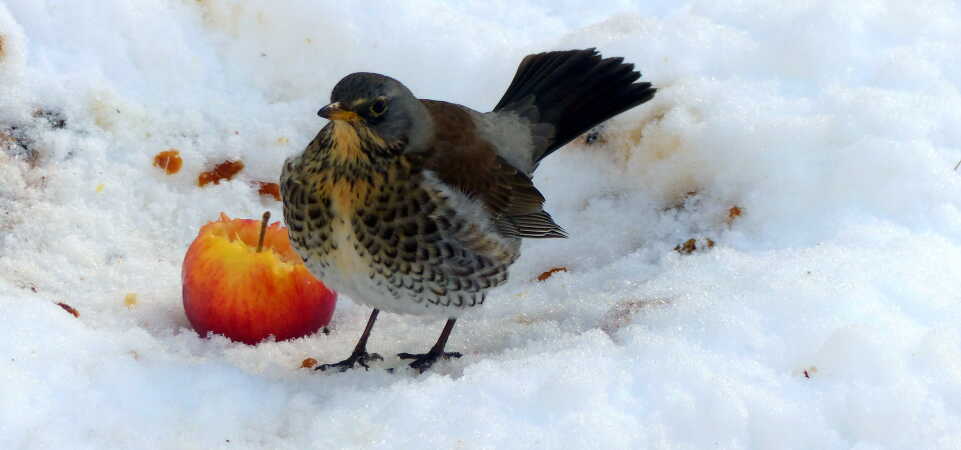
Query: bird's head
[{"x": 379, "y": 108}]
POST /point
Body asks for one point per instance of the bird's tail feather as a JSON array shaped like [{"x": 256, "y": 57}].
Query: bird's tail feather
[{"x": 572, "y": 91}]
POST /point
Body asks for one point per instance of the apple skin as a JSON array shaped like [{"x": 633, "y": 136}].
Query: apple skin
[{"x": 231, "y": 289}]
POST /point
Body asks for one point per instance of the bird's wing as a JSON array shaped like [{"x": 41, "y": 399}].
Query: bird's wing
[{"x": 462, "y": 159}]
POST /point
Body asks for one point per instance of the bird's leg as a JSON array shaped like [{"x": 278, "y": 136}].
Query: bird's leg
[
  {"x": 360, "y": 355},
  {"x": 423, "y": 361}
]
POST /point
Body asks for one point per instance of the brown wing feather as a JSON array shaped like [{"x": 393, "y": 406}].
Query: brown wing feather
[{"x": 464, "y": 161}]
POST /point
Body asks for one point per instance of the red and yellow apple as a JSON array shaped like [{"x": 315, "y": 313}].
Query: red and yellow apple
[{"x": 231, "y": 288}]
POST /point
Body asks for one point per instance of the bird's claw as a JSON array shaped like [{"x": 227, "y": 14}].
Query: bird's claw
[
  {"x": 424, "y": 361},
  {"x": 359, "y": 358}
]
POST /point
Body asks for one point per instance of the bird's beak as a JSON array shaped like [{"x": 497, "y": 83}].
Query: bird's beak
[{"x": 335, "y": 111}]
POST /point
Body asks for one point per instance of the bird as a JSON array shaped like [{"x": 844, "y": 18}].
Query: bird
[{"x": 416, "y": 206}]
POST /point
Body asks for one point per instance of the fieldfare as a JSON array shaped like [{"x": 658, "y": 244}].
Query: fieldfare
[{"x": 419, "y": 206}]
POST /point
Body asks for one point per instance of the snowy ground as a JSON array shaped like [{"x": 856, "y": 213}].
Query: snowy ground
[{"x": 825, "y": 316}]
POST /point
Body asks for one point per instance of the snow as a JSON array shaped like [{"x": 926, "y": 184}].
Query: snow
[{"x": 825, "y": 316}]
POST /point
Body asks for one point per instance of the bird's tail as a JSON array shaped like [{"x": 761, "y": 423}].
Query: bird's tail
[{"x": 571, "y": 91}]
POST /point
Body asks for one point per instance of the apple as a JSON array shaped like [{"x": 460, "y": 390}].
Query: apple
[{"x": 247, "y": 292}]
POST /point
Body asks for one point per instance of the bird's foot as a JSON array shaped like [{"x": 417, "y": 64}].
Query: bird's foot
[
  {"x": 360, "y": 358},
  {"x": 423, "y": 361}
]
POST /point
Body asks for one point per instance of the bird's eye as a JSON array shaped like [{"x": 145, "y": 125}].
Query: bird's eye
[{"x": 378, "y": 107}]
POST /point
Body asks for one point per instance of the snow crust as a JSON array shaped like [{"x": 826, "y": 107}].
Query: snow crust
[{"x": 826, "y": 315}]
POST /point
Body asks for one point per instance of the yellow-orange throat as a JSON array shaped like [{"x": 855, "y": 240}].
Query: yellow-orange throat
[{"x": 349, "y": 140}]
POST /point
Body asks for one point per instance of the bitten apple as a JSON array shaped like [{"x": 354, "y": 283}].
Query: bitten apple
[{"x": 231, "y": 288}]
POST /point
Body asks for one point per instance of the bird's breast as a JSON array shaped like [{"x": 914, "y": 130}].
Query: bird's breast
[
  {"x": 346, "y": 197},
  {"x": 393, "y": 236}
]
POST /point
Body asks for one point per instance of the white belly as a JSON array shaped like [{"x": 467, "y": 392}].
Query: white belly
[
  {"x": 349, "y": 274},
  {"x": 345, "y": 259}
]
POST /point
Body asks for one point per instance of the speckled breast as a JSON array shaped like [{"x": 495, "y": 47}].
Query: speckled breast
[{"x": 394, "y": 238}]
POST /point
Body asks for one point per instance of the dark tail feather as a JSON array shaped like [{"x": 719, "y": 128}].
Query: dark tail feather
[{"x": 572, "y": 91}]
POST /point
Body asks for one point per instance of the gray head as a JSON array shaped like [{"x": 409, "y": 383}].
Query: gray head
[{"x": 381, "y": 104}]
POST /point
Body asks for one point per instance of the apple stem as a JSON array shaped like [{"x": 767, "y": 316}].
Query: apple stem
[{"x": 263, "y": 231}]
